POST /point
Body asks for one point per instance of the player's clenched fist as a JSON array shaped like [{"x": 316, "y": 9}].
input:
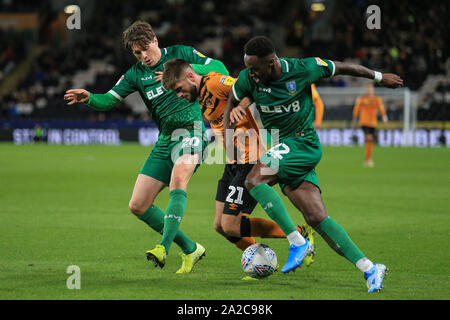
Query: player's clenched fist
[{"x": 76, "y": 95}]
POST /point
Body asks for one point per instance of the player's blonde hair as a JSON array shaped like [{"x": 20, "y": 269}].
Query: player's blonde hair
[
  {"x": 140, "y": 33},
  {"x": 174, "y": 71}
]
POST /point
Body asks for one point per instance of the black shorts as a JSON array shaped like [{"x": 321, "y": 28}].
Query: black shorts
[
  {"x": 368, "y": 130},
  {"x": 231, "y": 190}
]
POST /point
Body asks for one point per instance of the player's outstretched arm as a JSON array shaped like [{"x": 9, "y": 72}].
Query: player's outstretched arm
[
  {"x": 214, "y": 65},
  {"x": 201, "y": 69},
  {"x": 354, "y": 122},
  {"x": 232, "y": 103},
  {"x": 99, "y": 102},
  {"x": 389, "y": 80}
]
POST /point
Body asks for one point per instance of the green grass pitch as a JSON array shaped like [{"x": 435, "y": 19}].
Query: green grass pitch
[{"x": 68, "y": 205}]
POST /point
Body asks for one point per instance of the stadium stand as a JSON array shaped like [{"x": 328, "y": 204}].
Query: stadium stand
[{"x": 411, "y": 44}]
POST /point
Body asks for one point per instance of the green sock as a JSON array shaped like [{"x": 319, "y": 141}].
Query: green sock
[
  {"x": 154, "y": 218},
  {"x": 271, "y": 202},
  {"x": 174, "y": 215},
  {"x": 338, "y": 239}
]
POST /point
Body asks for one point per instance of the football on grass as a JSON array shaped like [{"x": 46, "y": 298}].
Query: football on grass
[{"x": 259, "y": 261}]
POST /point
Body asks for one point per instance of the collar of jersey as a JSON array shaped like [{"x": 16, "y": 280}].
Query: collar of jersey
[
  {"x": 284, "y": 65},
  {"x": 202, "y": 83}
]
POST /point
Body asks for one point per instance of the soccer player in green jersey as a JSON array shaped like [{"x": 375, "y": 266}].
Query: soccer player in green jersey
[
  {"x": 281, "y": 89},
  {"x": 181, "y": 141}
]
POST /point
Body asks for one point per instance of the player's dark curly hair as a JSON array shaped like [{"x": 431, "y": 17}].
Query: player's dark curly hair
[{"x": 260, "y": 46}]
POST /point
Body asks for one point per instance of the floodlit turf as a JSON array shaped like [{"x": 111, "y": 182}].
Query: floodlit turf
[{"x": 68, "y": 205}]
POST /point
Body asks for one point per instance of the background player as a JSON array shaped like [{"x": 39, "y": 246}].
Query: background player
[
  {"x": 366, "y": 109},
  {"x": 286, "y": 105},
  {"x": 168, "y": 164},
  {"x": 233, "y": 201},
  {"x": 318, "y": 106}
]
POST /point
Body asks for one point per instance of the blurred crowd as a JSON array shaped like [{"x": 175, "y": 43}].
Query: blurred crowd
[
  {"x": 13, "y": 49},
  {"x": 411, "y": 42},
  {"x": 436, "y": 107}
]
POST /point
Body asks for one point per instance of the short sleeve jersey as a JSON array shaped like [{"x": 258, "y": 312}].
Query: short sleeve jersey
[
  {"x": 286, "y": 104},
  {"x": 367, "y": 108},
  {"x": 167, "y": 110}
]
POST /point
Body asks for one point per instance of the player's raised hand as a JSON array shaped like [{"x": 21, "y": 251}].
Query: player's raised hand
[
  {"x": 391, "y": 80},
  {"x": 158, "y": 76},
  {"x": 237, "y": 114},
  {"x": 76, "y": 95}
]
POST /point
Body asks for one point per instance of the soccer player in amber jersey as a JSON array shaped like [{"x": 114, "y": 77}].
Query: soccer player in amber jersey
[
  {"x": 233, "y": 202},
  {"x": 367, "y": 108},
  {"x": 172, "y": 162},
  {"x": 281, "y": 90},
  {"x": 318, "y": 106}
]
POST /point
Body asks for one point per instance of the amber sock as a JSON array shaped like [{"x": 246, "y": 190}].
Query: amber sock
[
  {"x": 262, "y": 228},
  {"x": 242, "y": 243}
]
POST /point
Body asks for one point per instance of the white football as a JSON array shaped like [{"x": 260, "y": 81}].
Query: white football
[{"x": 259, "y": 261}]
